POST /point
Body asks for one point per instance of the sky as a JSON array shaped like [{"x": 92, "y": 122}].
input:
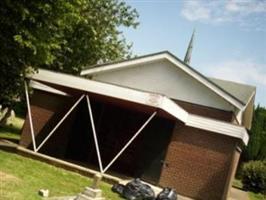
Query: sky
[{"x": 230, "y": 38}]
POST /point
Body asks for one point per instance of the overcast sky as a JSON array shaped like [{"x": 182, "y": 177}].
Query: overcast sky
[{"x": 230, "y": 40}]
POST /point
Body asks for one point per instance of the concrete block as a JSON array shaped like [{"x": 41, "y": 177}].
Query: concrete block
[
  {"x": 95, "y": 193},
  {"x": 90, "y": 194},
  {"x": 44, "y": 193}
]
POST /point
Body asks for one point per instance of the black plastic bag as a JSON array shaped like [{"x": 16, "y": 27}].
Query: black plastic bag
[
  {"x": 167, "y": 194},
  {"x": 147, "y": 192},
  {"x": 136, "y": 190},
  {"x": 118, "y": 188}
]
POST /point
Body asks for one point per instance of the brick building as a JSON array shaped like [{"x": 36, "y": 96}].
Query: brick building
[{"x": 188, "y": 129}]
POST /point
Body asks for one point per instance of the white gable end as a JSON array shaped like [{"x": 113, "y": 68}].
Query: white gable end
[{"x": 163, "y": 77}]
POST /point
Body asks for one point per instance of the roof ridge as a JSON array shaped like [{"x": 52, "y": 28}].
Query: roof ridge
[{"x": 124, "y": 60}]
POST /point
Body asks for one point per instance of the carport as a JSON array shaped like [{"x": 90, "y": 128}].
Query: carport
[
  {"x": 103, "y": 132},
  {"x": 109, "y": 127}
]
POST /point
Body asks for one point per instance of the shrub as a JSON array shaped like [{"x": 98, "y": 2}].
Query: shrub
[{"x": 254, "y": 176}]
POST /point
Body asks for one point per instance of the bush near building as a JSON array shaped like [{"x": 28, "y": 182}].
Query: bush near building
[{"x": 254, "y": 176}]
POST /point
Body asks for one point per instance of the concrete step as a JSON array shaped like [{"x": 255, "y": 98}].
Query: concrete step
[
  {"x": 94, "y": 193},
  {"x": 83, "y": 197}
]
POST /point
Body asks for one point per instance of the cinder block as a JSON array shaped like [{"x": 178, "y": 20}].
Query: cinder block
[
  {"x": 95, "y": 193},
  {"x": 90, "y": 194}
]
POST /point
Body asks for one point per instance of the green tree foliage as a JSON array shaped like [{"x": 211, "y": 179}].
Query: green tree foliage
[
  {"x": 256, "y": 149},
  {"x": 63, "y": 35}
]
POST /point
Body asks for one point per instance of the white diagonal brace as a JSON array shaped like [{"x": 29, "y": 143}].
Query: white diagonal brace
[
  {"x": 60, "y": 122},
  {"x": 30, "y": 117},
  {"x": 94, "y": 134},
  {"x": 129, "y": 142}
]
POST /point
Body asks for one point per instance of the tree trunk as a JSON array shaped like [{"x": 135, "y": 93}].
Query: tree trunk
[{"x": 3, "y": 120}]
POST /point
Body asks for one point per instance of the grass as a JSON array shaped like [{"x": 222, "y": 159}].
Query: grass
[
  {"x": 237, "y": 184},
  {"x": 252, "y": 196},
  {"x": 21, "y": 178},
  {"x": 12, "y": 129}
]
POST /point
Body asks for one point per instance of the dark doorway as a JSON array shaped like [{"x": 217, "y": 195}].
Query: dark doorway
[{"x": 156, "y": 139}]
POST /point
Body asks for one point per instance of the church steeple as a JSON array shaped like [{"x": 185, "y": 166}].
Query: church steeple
[{"x": 189, "y": 49}]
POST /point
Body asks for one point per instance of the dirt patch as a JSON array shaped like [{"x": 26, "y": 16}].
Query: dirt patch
[
  {"x": 5, "y": 177},
  {"x": 8, "y": 185}
]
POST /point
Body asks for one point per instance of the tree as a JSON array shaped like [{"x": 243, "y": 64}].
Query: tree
[
  {"x": 256, "y": 149},
  {"x": 62, "y": 35}
]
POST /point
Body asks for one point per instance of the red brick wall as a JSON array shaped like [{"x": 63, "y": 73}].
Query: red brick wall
[
  {"x": 206, "y": 111},
  {"x": 47, "y": 109},
  {"x": 198, "y": 163}
]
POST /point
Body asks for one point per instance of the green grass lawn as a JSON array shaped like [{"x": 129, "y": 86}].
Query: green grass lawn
[
  {"x": 253, "y": 196},
  {"x": 12, "y": 129},
  {"x": 21, "y": 178}
]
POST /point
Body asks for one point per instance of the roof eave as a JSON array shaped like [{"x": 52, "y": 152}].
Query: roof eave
[{"x": 145, "y": 98}]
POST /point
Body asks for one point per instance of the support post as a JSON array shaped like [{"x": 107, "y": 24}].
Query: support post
[
  {"x": 96, "y": 181},
  {"x": 30, "y": 117},
  {"x": 94, "y": 134},
  {"x": 60, "y": 122},
  {"x": 129, "y": 142}
]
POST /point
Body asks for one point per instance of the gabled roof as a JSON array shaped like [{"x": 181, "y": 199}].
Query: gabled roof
[
  {"x": 241, "y": 91},
  {"x": 229, "y": 97},
  {"x": 152, "y": 100}
]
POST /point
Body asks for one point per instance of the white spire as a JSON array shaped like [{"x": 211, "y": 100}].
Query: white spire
[{"x": 189, "y": 49}]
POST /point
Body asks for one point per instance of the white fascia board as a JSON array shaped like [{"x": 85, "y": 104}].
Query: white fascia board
[
  {"x": 144, "y": 98},
  {"x": 205, "y": 82},
  {"x": 123, "y": 64},
  {"x": 249, "y": 100},
  {"x": 248, "y": 125},
  {"x": 96, "y": 87},
  {"x": 172, "y": 108},
  {"x": 218, "y": 127},
  {"x": 46, "y": 88}
]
